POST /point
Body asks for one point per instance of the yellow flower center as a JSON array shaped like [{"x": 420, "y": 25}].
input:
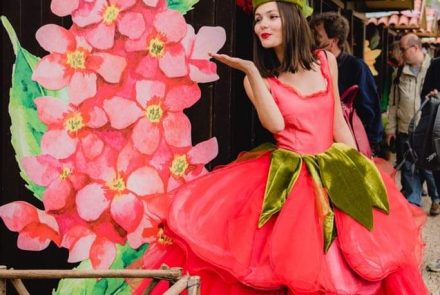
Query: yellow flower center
[
  {"x": 154, "y": 113},
  {"x": 162, "y": 238},
  {"x": 76, "y": 59},
  {"x": 110, "y": 14},
  {"x": 117, "y": 184},
  {"x": 156, "y": 47},
  {"x": 179, "y": 165},
  {"x": 74, "y": 123},
  {"x": 65, "y": 173}
]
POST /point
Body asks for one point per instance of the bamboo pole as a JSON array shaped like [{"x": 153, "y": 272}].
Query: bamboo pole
[
  {"x": 171, "y": 274},
  {"x": 154, "y": 282},
  {"x": 178, "y": 287},
  {"x": 194, "y": 285},
  {"x": 19, "y": 286}
]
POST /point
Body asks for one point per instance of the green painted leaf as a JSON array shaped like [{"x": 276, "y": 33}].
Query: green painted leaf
[
  {"x": 26, "y": 127},
  {"x": 183, "y": 6},
  {"x": 125, "y": 256}
]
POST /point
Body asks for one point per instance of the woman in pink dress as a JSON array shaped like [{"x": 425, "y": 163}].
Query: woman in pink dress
[{"x": 310, "y": 215}]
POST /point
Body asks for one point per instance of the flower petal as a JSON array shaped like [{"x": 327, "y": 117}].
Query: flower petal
[
  {"x": 203, "y": 71},
  {"x": 31, "y": 240},
  {"x": 127, "y": 211},
  {"x": 74, "y": 233},
  {"x": 146, "y": 232},
  {"x": 132, "y": 25},
  {"x": 51, "y": 110},
  {"x": 177, "y": 129},
  {"x": 152, "y": 3},
  {"x": 58, "y": 144},
  {"x": 18, "y": 214},
  {"x": 208, "y": 39},
  {"x": 81, "y": 249},
  {"x": 102, "y": 253},
  {"x": 203, "y": 152},
  {"x": 171, "y": 24},
  {"x": 97, "y": 118},
  {"x": 91, "y": 202},
  {"x": 145, "y": 181},
  {"x": 82, "y": 86},
  {"x": 123, "y": 4},
  {"x": 189, "y": 39},
  {"x": 145, "y": 90},
  {"x": 173, "y": 63},
  {"x": 46, "y": 35},
  {"x": 89, "y": 12},
  {"x": 56, "y": 195},
  {"x": 182, "y": 97},
  {"x": 102, "y": 36},
  {"x": 63, "y": 7},
  {"x": 42, "y": 169},
  {"x": 145, "y": 136},
  {"x": 92, "y": 146},
  {"x": 101, "y": 168},
  {"x": 121, "y": 119},
  {"x": 51, "y": 73},
  {"x": 111, "y": 67}
]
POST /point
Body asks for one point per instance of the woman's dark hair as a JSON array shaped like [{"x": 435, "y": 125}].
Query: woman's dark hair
[{"x": 298, "y": 45}]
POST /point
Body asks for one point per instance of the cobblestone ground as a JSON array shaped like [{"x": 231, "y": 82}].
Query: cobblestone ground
[{"x": 431, "y": 234}]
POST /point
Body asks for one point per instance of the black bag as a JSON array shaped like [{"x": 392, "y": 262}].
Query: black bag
[{"x": 424, "y": 138}]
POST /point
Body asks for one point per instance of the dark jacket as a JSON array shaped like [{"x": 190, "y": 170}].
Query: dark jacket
[
  {"x": 353, "y": 70},
  {"x": 432, "y": 78}
]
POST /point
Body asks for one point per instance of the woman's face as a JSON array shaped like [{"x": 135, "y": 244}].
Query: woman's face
[{"x": 268, "y": 25}]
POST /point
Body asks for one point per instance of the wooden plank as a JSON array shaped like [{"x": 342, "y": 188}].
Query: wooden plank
[{"x": 172, "y": 274}]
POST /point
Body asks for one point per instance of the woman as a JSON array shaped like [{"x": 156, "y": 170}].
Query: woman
[{"x": 309, "y": 216}]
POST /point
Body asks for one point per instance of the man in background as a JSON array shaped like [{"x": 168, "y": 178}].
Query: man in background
[{"x": 331, "y": 32}]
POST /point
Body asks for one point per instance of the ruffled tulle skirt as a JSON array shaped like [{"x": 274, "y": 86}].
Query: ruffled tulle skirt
[{"x": 213, "y": 226}]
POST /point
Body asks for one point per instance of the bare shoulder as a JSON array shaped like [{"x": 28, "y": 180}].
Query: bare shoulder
[{"x": 331, "y": 60}]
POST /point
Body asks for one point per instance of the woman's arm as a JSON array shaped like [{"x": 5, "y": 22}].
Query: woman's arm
[
  {"x": 257, "y": 91},
  {"x": 341, "y": 131}
]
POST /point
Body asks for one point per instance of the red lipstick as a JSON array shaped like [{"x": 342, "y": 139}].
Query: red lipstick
[{"x": 265, "y": 35}]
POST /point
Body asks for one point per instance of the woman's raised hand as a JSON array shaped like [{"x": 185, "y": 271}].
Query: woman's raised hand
[{"x": 234, "y": 62}]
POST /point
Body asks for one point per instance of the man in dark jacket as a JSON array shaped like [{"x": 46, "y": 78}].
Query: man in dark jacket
[
  {"x": 431, "y": 86},
  {"x": 331, "y": 32}
]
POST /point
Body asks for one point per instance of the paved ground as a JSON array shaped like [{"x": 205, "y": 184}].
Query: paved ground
[{"x": 431, "y": 234}]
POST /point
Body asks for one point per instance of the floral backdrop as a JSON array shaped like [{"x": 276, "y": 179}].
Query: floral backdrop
[{"x": 99, "y": 131}]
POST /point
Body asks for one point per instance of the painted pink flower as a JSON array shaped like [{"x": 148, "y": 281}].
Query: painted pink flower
[
  {"x": 161, "y": 42},
  {"x": 60, "y": 178},
  {"x": 197, "y": 47},
  {"x": 101, "y": 19},
  {"x": 72, "y": 63},
  {"x": 36, "y": 228},
  {"x": 70, "y": 127},
  {"x": 179, "y": 165},
  {"x": 84, "y": 244},
  {"x": 118, "y": 192},
  {"x": 157, "y": 112}
]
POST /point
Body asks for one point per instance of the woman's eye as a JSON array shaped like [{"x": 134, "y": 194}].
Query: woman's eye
[
  {"x": 257, "y": 20},
  {"x": 274, "y": 16}
]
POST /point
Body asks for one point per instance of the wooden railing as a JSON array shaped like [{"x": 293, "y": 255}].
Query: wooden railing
[{"x": 178, "y": 282}]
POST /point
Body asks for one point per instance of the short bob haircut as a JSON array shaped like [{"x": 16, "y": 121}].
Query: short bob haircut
[{"x": 298, "y": 45}]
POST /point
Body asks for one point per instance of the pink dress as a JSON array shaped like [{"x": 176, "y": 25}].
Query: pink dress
[{"x": 213, "y": 221}]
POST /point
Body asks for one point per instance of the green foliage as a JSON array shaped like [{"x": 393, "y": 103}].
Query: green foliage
[
  {"x": 183, "y": 6},
  {"x": 124, "y": 257}
]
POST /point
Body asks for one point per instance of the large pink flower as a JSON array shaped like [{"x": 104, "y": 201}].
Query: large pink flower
[
  {"x": 157, "y": 112},
  {"x": 60, "y": 178},
  {"x": 197, "y": 47},
  {"x": 102, "y": 17},
  {"x": 118, "y": 190},
  {"x": 72, "y": 63},
  {"x": 36, "y": 228},
  {"x": 162, "y": 46},
  {"x": 69, "y": 127}
]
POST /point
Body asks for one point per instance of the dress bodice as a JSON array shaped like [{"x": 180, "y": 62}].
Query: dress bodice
[{"x": 308, "y": 118}]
